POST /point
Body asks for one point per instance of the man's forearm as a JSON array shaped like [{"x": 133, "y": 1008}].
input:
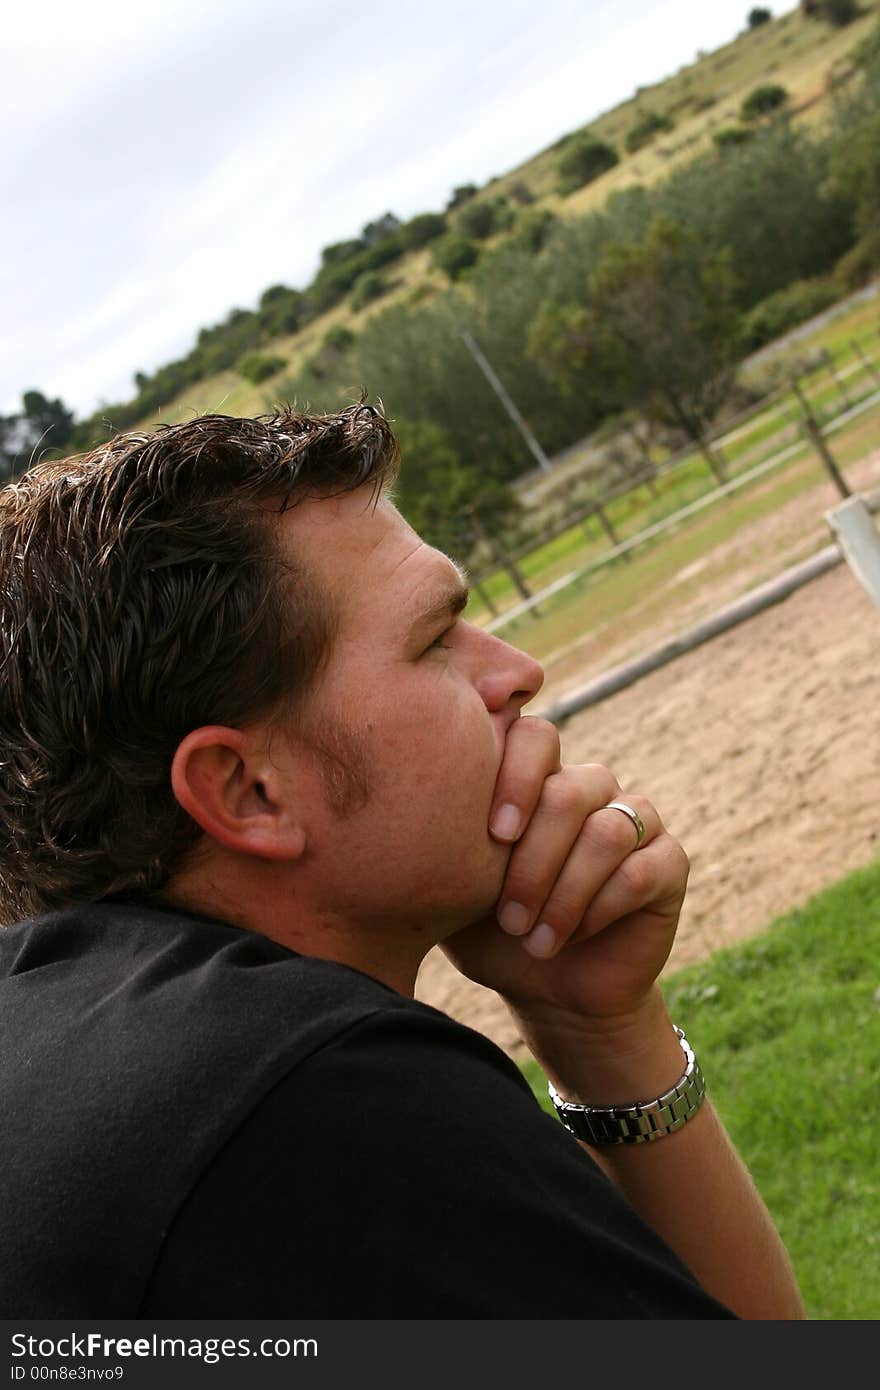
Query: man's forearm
[{"x": 690, "y": 1186}]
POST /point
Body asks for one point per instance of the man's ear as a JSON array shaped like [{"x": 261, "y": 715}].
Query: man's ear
[{"x": 237, "y": 796}]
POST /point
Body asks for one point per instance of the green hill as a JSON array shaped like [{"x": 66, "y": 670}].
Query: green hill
[{"x": 807, "y": 57}]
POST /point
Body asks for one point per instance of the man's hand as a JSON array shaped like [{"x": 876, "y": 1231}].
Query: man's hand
[
  {"x": 584, "y": 995},
  {"x": 585, "y": 920}
]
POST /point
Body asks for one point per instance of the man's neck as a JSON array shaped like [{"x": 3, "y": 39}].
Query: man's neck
[{"x": 385, "y": 956}]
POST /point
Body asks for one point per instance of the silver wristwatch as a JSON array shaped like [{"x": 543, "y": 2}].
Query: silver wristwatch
[{"x": 643, "y": 1121}]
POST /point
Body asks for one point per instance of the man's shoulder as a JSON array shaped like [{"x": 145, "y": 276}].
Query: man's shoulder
[{"x": 150, "y": 958}]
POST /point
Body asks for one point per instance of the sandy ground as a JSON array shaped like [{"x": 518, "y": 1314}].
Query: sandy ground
[{"x": 760, "y": 749}]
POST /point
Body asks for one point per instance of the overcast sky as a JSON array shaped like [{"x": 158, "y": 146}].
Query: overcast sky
[{"x": 166, "y": 160}]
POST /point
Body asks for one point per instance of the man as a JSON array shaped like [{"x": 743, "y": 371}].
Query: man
[{"x": 256, "y": 766}]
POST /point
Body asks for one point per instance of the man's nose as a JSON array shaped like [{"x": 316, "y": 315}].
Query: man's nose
[{"x": 511, "y": 676}]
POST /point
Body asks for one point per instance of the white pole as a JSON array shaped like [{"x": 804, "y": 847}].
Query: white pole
[
  {"x": 853, "y": 526},
  {"x": 486, "y": 368}
]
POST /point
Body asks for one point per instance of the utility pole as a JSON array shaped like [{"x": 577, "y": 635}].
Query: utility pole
[{"x": 486, "y": 368}]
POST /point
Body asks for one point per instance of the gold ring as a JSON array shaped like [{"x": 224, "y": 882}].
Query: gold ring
[{"x": 634, "y": 817}]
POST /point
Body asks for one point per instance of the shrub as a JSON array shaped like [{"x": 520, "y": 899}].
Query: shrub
[
  {"x": 762, "y": 100},
  {"x": 369, "y": 286},
  {"x": 649, "y": 124},
  {"x": 732, "y": 135},
  {"x": 477, "y": 220},
  {"x": 520, "y": 192},
  {"x": 455, "y": 254},
  {"x": 338, "y": 339},
  {"x": 862, "y": 263},
  {"x": 390, "y": 248},
  {"x": 534, "y": 227},
  {"x": 839, "y": 12},
  {"x": 421, "y": 229},
  {"x": 759, "y": 16},
  {"x": 786, "y": 309},
  {"x": 866, "y": 53},
  {"x": 582, "y": 160},
  {"x": 256, "y": 366},
  {"x": 340, "y": 251}
]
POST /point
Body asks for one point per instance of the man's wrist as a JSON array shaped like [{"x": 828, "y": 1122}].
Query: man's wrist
[{"x": 607, "y": 1061}]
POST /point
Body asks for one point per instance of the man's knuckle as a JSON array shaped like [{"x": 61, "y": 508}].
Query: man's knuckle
[
  {"x": 562, "y": 794},
  {"x": 563, "y": 910},
  {"x": 612, "y": 832}
]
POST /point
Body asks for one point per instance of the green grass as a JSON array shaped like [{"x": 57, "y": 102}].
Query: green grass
[{"x": 787, "y": 1027}]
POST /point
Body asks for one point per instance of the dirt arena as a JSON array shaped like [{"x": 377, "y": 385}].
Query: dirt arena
[{"x": 760, "y": 748}]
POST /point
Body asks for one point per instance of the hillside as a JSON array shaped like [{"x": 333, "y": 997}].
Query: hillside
[{"x": 806, "y": 56}]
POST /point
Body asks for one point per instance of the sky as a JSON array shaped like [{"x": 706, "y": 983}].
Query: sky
[{"x": 167, "y": 160}]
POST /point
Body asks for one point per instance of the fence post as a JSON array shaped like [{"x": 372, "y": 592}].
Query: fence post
[
  {"x": 813, "y": 430},
  {"x": 867, "y": 362},
  {"x": 853, "y": 527},
  {"x": 500, "y": 555},
  {"x": 485, "y": 597},
  {"x": 837, "y": 379},
  {"x": 606, "y": 526}
]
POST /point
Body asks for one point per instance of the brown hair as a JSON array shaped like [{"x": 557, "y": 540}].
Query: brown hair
[{"x": 143, "y": 594}]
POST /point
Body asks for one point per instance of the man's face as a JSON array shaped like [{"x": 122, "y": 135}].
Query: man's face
[{"x": 420, "y": 726}]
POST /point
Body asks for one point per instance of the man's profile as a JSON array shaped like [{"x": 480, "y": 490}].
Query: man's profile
[{"x": 255, "y": 766}]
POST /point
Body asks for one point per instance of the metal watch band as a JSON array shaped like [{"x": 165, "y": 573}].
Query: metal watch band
[{"x": 643, "y": 1121}]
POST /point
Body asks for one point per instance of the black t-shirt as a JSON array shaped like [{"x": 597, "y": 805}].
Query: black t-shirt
[{"x": 198, "y": 1122}]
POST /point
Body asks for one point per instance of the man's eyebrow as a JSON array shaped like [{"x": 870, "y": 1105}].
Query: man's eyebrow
[{"x": 447, "y": 604}]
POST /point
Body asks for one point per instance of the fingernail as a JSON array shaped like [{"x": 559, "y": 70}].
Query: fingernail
[
  {"x": 514, "y": 918},
  {"x": 505, "y": 822},
  {"x": 541, "y": 941}
]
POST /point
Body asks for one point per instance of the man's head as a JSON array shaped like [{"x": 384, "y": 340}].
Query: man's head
[{"x": 144, "y": 592}]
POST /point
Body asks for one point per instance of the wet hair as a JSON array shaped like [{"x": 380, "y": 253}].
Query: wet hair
[{"x": 143, "y": 593}]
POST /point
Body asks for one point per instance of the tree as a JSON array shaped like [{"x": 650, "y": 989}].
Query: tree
[
  {"x": 43, "y": 426},
  {"x": 660, "y": 331},
  {"x": 582, "y": 160},
  {"x": 49, "y": 424},
  {"x": 839, "y": 12},
  {"x": 339, "y": 251},
  {"x": 424, "y": 227},
  {"x": 762, "y": 100},
  {"x": 380, "y": 229},
  {"x": 770, "y": 201},
  {"x": 281, "y": 310},
  {"x": 460, "y": 195},
  {"x": 434, "y": 491},
  {"x": 855, "y": 157},
  {"x": 759, "y": 16}
]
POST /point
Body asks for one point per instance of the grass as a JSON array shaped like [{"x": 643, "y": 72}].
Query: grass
[{"x": 787, "y": 1027}]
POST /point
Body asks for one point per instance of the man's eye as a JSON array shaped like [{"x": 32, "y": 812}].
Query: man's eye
[{"x": 438, "y": 641}]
